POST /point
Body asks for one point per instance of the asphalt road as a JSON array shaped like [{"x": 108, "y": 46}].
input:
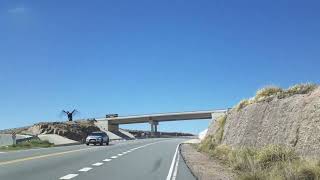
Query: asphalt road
[{"x": 129, "y": 160}]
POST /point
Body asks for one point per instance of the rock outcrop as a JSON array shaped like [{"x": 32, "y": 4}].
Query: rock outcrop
[
  {"x": 77, "y": 130},
  {"x": 291, "y": 121}
]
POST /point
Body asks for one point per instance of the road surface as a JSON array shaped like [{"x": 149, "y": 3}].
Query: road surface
[{"x": 129, "y": 160}]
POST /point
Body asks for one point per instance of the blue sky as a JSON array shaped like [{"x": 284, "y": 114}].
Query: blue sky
[{"x": 140, "y": 57}]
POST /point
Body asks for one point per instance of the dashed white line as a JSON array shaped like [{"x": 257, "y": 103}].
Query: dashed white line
[
  {"x": 107, "y": 160},
  {"x": 97, "y": 164},
  {"x": 69, "y": 176},
  {"x": 86, "y": 169}
]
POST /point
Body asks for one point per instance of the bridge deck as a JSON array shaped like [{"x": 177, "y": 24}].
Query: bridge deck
[{"x": 165, "y": 117}]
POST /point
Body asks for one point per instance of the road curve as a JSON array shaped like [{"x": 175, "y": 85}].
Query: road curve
[{"x": 141, "y": 160}]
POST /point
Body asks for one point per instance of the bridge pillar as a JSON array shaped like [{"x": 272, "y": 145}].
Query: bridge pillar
[
  {"x": 154, "y": 127},
  {"x": 113, "y": 127}
]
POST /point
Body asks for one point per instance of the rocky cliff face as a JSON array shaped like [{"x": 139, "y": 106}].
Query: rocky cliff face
[
  {"x": 292, "y": 121},
  {"x": 77, "y": 130}
]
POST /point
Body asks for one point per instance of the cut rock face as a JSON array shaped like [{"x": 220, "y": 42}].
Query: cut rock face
[{"x": 293, "y": 121}]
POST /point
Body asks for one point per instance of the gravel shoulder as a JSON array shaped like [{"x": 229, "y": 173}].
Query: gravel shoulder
[{"x": 204, "y": 167}]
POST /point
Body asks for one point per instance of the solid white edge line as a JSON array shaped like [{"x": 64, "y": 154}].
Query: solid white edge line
[
  {"x": 69, "y": 176},
  {"x": 172, "y": 163},
  {"x": 86, "y": 169},
  {"x": 176, "y": 168}
]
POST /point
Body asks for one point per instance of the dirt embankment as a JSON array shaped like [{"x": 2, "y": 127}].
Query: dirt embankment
[
  {"x": 204, "y": 167},
  {"x": 293, "y": 121}
]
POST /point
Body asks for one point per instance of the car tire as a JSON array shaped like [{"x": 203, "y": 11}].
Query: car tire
[
  {"x": 107, "y": 143},
  {"x": 88, "y": 144}
]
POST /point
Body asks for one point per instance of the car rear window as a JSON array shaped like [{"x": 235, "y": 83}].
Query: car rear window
[{"x": 97, "y": 134}]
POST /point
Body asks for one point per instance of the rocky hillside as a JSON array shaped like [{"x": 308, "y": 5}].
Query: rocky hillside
[
  {"x": 289, "y": 117},
  {"x": 77, "y": 130}
]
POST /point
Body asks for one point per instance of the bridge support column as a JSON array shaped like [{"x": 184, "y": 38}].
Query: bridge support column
[
  {"x": 113, "y": 127},
  {"x": 154, "y": 128}
]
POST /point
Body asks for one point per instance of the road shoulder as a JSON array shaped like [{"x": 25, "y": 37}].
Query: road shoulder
[{"x": 204, "y": 167}]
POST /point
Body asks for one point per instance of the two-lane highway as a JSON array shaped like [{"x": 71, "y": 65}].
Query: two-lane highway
[{"x": 141, "y": 159}]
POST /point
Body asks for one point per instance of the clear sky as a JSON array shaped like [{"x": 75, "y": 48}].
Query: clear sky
[{"x": 140, "y": 57}]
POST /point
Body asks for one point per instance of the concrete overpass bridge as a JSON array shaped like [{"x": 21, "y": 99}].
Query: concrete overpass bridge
[{"x": 154, "y": 119}]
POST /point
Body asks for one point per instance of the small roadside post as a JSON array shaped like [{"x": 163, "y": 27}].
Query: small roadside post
[{"x": 14, "y": 141}]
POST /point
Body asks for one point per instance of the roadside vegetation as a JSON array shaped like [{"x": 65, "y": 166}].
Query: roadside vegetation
[
  {"x": 212, "y": 141},
  {"x": 271, "y": 92},
  {"x": 272, "y": 162},
  {"x": 35, "y": 143}
]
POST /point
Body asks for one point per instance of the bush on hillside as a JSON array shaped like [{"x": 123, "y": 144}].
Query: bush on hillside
[
  {"x": 243, "y": 103},
  {"x": 266, "y": 92},
  {"x": 270, "y": 92}
]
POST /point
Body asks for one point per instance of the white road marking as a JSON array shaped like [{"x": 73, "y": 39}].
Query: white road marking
[
  {"x": 86, "y": 169},
  {"x": 69, "y": 176},
  {"x": 120, "y": 154},
  {"x": 172, "y": 163},
  {"x": 97, "y": 164},
  {"x": 176, "y": 168},
  {"x": 114, "y": 157},
  {"x": 107, "y": 160}
]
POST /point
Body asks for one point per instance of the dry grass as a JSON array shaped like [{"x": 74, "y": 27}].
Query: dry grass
[
  {"x": 243, "y": 103},
  {"x": 298, "y": 89},
  {"x": 211, "y": 141},
  {"x": 220, "y": 131},
  {"x": 272, "y": 162},
  {"x": 269, "y": 93},
  {"x": 34, "y": 143}
]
